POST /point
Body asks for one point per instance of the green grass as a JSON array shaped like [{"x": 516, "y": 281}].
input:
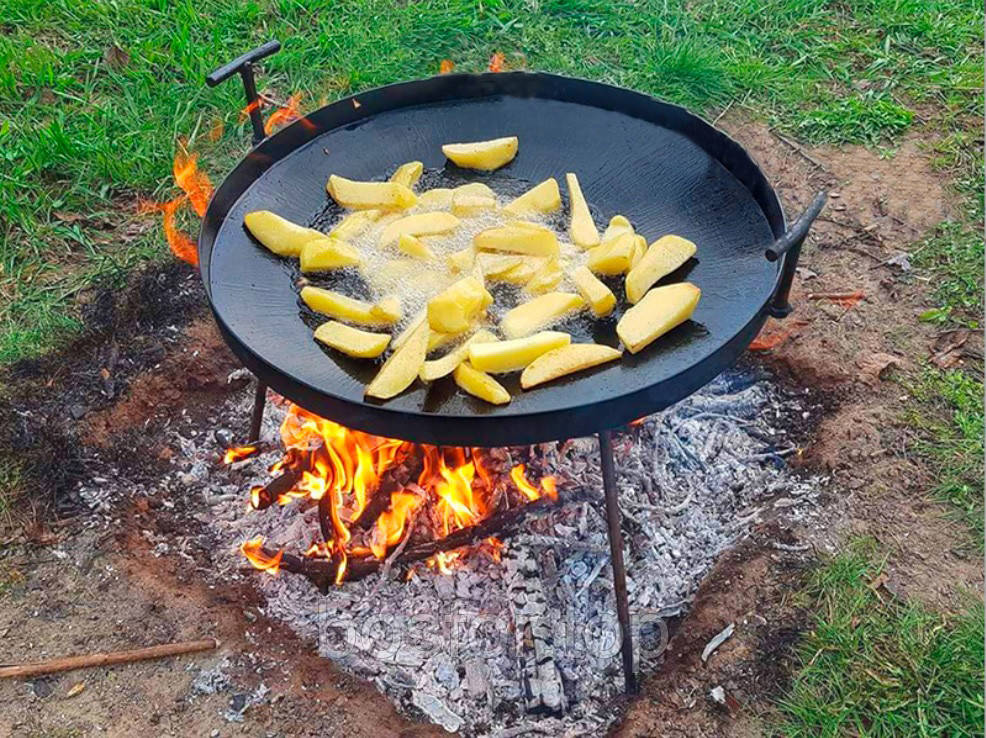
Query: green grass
[
  {"x": 79, "y": 135},
  {"x": 872, "y": 666},
  {"x": 951, "y": 428}
]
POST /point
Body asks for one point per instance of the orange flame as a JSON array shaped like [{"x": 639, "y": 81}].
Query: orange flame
[
  {"x": 446, "y": 66},
  {"x": 532, "y": 493},
  {"x": 342, "y": 470},
  {"x": 181, "y": 244},
  {"x": 237, "y": 453},
  {"x": 253, "y": 550},
  {"x": 192, "y": 180},
  {"x": 497, "y": 61}
]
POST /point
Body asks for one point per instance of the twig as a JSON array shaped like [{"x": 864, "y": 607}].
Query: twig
[
  {"x": 68, "y": 663},
  {"x": 797, "y": 147}
]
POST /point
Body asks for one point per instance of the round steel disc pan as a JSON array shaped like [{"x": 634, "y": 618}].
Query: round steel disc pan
[{"x": 669, "y": 171}]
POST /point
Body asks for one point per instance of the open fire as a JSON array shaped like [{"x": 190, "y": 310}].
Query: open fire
[{"x": 375, "y": 495}]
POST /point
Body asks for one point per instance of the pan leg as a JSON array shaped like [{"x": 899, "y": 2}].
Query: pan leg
[
  {"x": 259, "y": 400},
  {"x": 616, "y": 556}
]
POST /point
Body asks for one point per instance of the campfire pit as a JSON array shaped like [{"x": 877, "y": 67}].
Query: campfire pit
[{"x": 671, "y": 169}]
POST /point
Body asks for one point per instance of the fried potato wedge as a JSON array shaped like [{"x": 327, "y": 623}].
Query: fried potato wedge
[
  {"x": 439, "y": 198},
  {"x": 324, "y": 254},
  {"x": 639, "y": 249},
  {"x": 618, "y": 224},
  {"x": 581, "y": 228},
  {"x": 401, "y": 368},
  {"x": 414, "y": 246},
  {"x": 508, "y": 356},
  {"x": 442, "y": 367},
  {"x": 388, "y": 308},
  {"x": 342, "y": 307},
  {"x": 660, "y": 310},
  {"x": 613, "y": 257},
  {"x": 597, "y": 295},
  {"x": 518, "y": 237},
  {"x": 405, "y": 334},
  {"x": 454, "y": 310},
  {"x": 495, "y": 265},
  {"x": 483, "y": 155},
  {"x": 352, "y": 341},
  {"x": 420, "y": 224},
  {"x": 534, "y": 314},
  {"x": 523, "y": 272},
  {"x": 566, "y": 360},
  {"x": 279, "y": 234},
  {"x": 542, "y": 198},
  {"x": 546, "y": 278},
  {"x": 662, "y": 257},
  {"x": 355, "y": 224},
  {"x": 370, "y": 195},
  {"x": 462, "y": 260},
  {"x": 408, "y": 174},
  {"x": 479, "y": 384},
  {"x": 473, "y": 199}
]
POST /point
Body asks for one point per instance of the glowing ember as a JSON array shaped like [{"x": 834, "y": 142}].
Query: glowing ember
[
  {"x": 238, "y": 453},
  {"x": 364, "y": 511},
  {"x": 446, "y": 66},
  {"x": 254, "y": 551}
]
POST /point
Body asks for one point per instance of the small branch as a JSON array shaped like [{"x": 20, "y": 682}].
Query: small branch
[
  {"x": 799, "y": 149},
  {"x": 108, "y": 659}
]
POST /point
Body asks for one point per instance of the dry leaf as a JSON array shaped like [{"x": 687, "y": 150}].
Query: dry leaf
[
  {"x": 116, "y": 57},
  {"x": 446, "y": 66},
  {"x": 873, "y": 366},
  {"x": 949, "y": 348},
  {"x": 75, "y": 690},
  {"x": 496, "y": 62},
  {"x": 68, "y": 217}
]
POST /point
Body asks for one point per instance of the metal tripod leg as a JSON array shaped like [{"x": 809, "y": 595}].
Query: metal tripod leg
[
  {"x": 259, "y": 400},
  {"x": 616, "y": 556}
]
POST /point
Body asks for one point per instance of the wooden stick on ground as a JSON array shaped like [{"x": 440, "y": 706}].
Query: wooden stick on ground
[{"x": 68, "y": 663}]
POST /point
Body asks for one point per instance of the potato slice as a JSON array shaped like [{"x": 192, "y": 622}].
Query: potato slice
[
  {"x": 664, "y": 256},
  {"x": 495, "y": 265},
  {"x": 534, "y": 314},
  {"x": 569, "y": 359},
  {"x": 279, "y": 234},
  {"x": 658, "y": 312},
  {"x": 523, "y": 272},
  {"x": 409, "y": 329},
  {"x": 439, "y": 198},
  {"x": 639, "y": 249},
  {"x": 414, "y": 246},
  {"x": 618, "y": 225},
  {"x": 323, "y": 254},
  {"x": 352, "y": 341},
  {"x": 453, "y": 310},
  {"x": 370, "y": 195},
  {"x": 438, "y": 339},
  {"x": 600, "y": 298},
  {"x": 462, "y": 260},
  {"x": 401, "y": 369},
  {"x": 542, "y": 198},
  {"x": 438, "y": 368},
  {"x": 518, "y": 237},
  {"x": 613, "y": 257},
  {"x": 546, "y": 279},
  {"x": 479, "y": 384},
  {"x": 473, "y": 199},
  {"x": 341, "y": 307},
  {"x": 408, "y": 174},
  {"x": 421, "y": 224},
  {"x": 581, "y": 228},
  {"x": 483, "y": 155},
  {"x": 355, "y": 224},
  {"x": 388, "y": 308},
  {"x": 508, "y": 356}
]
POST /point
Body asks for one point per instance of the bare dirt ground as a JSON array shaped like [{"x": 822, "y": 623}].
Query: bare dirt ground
[{"x": 152, "y": 357}]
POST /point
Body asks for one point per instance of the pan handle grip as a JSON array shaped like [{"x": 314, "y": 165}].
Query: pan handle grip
[
  {"x": 244, "y": 65},
  {"x": 789, "y": 247}
]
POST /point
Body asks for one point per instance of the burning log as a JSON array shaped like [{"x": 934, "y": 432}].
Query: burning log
[
  {"x": 322, "y": 572},
  {"x": 540, "y": 678},
  {"x": 264, "y": 497}
]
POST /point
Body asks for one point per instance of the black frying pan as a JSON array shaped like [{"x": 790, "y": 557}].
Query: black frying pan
[{"x": 663, "y": 167}]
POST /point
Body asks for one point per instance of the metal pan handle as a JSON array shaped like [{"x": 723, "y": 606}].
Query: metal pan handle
[
  {"x": 789, "y": 246},
  {"x": 244, "y": 65}
]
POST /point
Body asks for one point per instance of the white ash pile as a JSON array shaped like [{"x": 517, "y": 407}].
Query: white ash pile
[{"x": 532, "y": 642}]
